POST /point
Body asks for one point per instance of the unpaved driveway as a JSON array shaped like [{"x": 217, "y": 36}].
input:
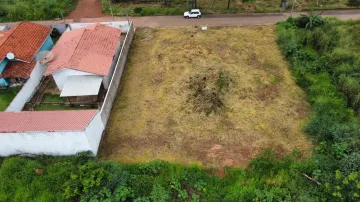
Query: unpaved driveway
[{"x": 86, "y": 9}]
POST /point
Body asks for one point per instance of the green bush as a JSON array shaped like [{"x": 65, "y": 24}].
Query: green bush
[
  {"x": 310, "y": 21},
  {"x": 354, "y": 2},
  {"x": 21, "y": 10}
]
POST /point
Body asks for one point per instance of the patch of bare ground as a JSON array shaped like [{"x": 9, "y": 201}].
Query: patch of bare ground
[{"x": 168, "y": 103}]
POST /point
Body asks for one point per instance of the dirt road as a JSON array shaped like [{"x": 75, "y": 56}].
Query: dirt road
[
  {"x": 209, "y": 20},
  {"x": 220, "y": 20},
  {"x": 86, "y": 9}
]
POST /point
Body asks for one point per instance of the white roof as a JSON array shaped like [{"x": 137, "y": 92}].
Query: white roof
[
  {"x": 81, "y": 85},
  {"x": 195, "y": 10}
]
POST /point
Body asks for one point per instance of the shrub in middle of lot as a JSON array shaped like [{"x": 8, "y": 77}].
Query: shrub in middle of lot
[{"x": 208, "y": 89}]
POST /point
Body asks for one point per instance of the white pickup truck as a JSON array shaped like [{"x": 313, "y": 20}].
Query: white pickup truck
[{"x": 193, "y": 13}]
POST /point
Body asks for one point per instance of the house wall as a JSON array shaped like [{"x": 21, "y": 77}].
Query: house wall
[
  {"x": 3, "y": 64},
  {"x": 4, "y": 27},
  {"x": 47, "y": 46},
  {"x": 94, "y": 132},
  {"x": 28, "y": 90},
  {"x": 60, "y": 76},
  {"x": 116, "y": 77},
  {"x": 49, "y": 143}
]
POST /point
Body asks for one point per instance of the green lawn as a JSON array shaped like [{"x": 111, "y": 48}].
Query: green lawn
[
  {"x": 53, "y": 98},
  {"x": 6, "y": 96}
]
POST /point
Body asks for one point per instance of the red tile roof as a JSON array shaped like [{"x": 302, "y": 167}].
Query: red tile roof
[
  {"x": 89, "y": 49},
  {"x": 45, "y": 121},
  {"x": 18, "y": 70},
  {"x": 24, "y": 40}
]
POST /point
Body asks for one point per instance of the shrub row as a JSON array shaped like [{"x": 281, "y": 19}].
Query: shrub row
[{"x": 26, "y": 10}]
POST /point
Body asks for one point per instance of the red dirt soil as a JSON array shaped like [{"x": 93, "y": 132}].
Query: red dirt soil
[{"x": 86, "y": 9}]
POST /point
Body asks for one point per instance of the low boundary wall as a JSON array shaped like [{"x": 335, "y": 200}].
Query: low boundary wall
[
  {"x": 116, "y": 78},
  {"x": 28, "y": 90}
]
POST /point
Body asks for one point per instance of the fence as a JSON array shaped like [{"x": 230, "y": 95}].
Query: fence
[
  {"x": 116, "y": 78},
  {"x": 28, "y": 90}
]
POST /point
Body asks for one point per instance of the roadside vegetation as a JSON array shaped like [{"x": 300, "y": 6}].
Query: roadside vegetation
[
  {"x": 28, "y": 10},
  {"x": 177, "y": 7},
  {"x": 6, "y": 96},
  {"x": 217, "y": 97},
  {"x": 323, "y": 56}
]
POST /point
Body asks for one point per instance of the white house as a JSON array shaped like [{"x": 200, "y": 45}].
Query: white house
[
  {"x": 84, "y": 59},
  {"x": 50, "y": 132}
]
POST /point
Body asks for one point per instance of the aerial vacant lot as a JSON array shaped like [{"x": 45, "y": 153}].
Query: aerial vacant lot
[{"x": 216, "y": 97}]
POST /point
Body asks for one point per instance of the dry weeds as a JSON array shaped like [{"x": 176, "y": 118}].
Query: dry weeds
[{"x": 152, "y": 117}]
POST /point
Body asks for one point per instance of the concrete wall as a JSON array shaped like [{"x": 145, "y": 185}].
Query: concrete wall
[
  {"x": 28, "y": 90},
  {"x": 123, "y": 25},
  {"x": 93, "y": 133},
  {"x": 116, "y": 78},
  {"x": 50, "y": 143},
  {"x": 107, "y": 79},
  {"x": 60, "y": 76}
]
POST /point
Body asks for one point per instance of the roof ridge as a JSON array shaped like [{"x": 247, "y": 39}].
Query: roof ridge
[{"x": 77, "y": 45}]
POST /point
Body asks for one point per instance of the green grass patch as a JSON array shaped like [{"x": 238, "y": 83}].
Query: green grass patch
[
  {"x": 6, "y": 96},
  {"x": 53, "y": 98},
  {"x": 50, "y": 107}
]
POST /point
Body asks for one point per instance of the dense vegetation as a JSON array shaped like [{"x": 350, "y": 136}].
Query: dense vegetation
[
  {"x": 324, "y": 60},
  {"x": 25, "y": 10}
]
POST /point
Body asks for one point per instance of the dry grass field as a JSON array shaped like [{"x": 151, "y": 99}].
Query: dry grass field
[{"x": 216, "y": 98}]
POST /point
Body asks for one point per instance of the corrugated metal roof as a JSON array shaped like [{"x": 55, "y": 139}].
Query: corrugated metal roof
[
  {"x": 24, "y": 40},
  {"x": 81, "y": 86},
  {"x": 45, "y": 121},
  {"x": 90, "y": 49}
]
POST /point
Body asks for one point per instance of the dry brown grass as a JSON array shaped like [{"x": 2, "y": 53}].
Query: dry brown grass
[{"x": 153, "y": 118}]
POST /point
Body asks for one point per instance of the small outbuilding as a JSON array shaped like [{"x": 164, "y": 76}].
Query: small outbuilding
[{"x": 50, "y": 132}]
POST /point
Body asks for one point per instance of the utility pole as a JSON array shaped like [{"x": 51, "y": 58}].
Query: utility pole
[
  {"x": 127, "y": 16},
  {"x": 63, "y": 17},
  {"x": 112, "y": 14}
]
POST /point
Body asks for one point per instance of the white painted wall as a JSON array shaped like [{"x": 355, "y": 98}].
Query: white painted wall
[
  {"x": 49, "y": 143},
  {"x": 4, "y": 27},
  {"x": 60, "y": 76},
  {"x": 123, "y": 25},
  {"x": 28, "y": 90},
  {"x": 94, "y": 132}
]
